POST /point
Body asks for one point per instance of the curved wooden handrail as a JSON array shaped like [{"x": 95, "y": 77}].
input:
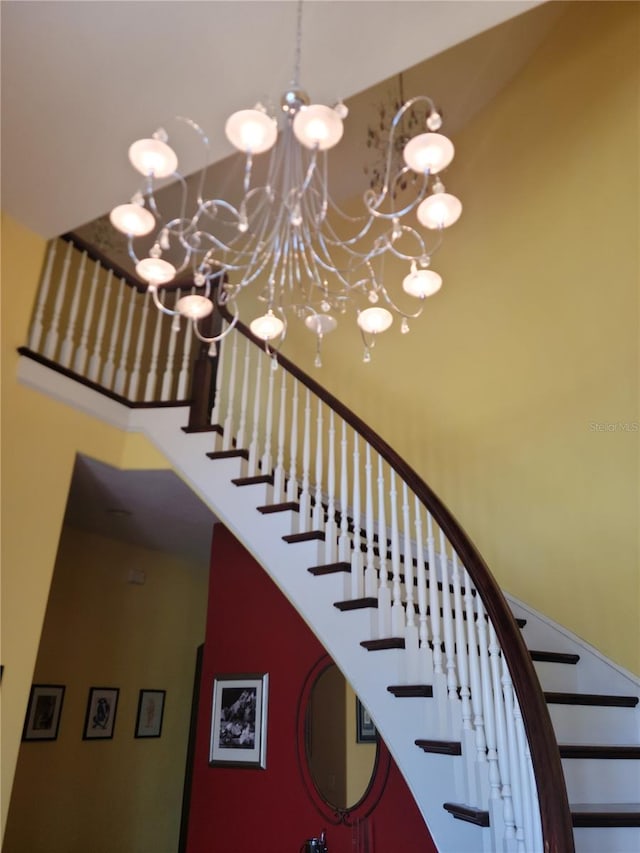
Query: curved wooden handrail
[{"x": 555, "y": 815}]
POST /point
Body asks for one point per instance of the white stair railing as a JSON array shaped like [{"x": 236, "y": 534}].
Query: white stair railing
[{"x": 410, "y": 561}]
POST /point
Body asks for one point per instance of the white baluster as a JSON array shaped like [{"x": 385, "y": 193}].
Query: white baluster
[
  {"x": 121, "y": 372},
  {"x": 318, "y": 509},
  {"x": 227, "y": 431},
  {"x": 134, "y": 379},
  {"x": 476, "y": 642},
  {"x": 397, "y": 609},
  {"x": 514, "y": 764},
  {"x": 152, "y": 375},
  {"x": 255, "y": 435},
  {"x": 358, "y": 589},
  {"x": 524, "y": 764},
  {"x": 534, "y": 806},
  {"x": 370, "y": 579},
  {"x": 331, "y": 528},
  {"x": 167, "y": 376},
  {"x": 244, "y": 396},
  {"x": 415, "y": 673},
  {"x": 109, "y": 365},
  {"x": 447, "y": 619},
  {"x": 305, "y": 495},
  {"x": 267, "y": 460},
  {"x": 292, "y": 483},
  {"x": 421, "y": 576},
  {"x": 37, "y": 328},
  {"x": 495, "y": 659},
  {"x": 220, "y": 368},
  {"x": 279, "y": 472},
  {"x": 80, "y": 360},
  {"x": 463, "y": 678},
  {"x": 344, "y": 542},
  {"x": 96, "y": 356},
  {"x": 51, "y": 341},
  {"x": 434, "y": 599},
  {"x": 484, "y": 716},
  {"x": 66, "y": 350},
  {"x": 384, "y": 590}
]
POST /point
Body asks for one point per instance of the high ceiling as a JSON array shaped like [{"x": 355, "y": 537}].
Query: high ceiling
[{"x": 82, "y": 80}]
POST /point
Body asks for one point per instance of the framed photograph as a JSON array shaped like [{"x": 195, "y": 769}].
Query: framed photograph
[
  {"x": 100, "y": 718},
  {"x": 239, "y": 721},
  {"x": 365, "y": 730},
  {"x": 150, "y": 712},
  {"x": 43, "y": 712}
]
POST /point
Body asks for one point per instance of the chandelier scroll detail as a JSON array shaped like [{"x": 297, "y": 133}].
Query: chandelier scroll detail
[{"x": 286, "y": 239}]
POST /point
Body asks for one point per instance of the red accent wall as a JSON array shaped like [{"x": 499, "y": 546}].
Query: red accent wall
[{"x": 252, "y": 628}]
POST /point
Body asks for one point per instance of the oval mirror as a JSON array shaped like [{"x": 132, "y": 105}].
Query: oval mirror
[{"x": 341, "y": 757}]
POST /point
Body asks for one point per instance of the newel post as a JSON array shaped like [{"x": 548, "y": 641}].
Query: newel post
[{"x": 204, "y": 372}]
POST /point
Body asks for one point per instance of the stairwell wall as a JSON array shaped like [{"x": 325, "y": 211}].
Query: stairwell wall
[
  {"x": 39, "y": 441},
  {"x": 516, "y": 394},
  {"x": 251, "y": 627}
]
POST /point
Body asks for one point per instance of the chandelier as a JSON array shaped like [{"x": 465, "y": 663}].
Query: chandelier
[{"x": 286, "y": 239}]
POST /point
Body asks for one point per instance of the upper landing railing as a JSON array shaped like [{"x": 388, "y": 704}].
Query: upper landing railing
[{"x": 431, "y": 587}]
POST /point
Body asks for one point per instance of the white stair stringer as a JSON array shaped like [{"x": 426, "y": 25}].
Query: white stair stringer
[{"x": 431, "y": 778}]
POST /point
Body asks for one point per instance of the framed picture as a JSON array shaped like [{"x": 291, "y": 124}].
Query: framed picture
[
  {"x": 43, "y": 712},
  {"x": 239, "y": 721},
  {"x": 365, "y": 730},
  {"x": 150, "y": 712},
  {"x": 100, "y": 718}
]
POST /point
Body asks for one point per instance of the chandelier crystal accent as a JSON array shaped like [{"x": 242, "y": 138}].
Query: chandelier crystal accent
[{"x": 286, "y": 238}]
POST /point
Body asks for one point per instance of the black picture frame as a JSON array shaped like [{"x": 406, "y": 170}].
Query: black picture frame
[
  {"x": 44, "y": 709},
  {"x": 239, "y": 721},
  {"x": 150, "y": 713},
  {"x": 366, "y": 731},
  {"x": 100, "y": 717}
]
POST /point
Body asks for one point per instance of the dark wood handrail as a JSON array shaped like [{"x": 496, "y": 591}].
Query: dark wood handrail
[{"x": 555, "y": 815}]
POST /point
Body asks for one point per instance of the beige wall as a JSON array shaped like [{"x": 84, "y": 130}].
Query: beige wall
[
  {"x": 534, "y": 336},
  {"x": 39, "y": 442},
  {"x": 71, "y": 795}
]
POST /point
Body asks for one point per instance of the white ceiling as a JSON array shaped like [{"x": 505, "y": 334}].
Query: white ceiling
[{"x": 81, "y": 80}]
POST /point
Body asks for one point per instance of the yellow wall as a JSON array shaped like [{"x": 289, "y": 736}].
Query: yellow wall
[
  {"x": 39, "y": 441},
  {"x": 534, "y": 336},
  {"x": 125, "y": 793}
]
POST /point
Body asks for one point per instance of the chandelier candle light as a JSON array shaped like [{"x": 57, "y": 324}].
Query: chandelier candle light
[{"x": 287, "y": 238}]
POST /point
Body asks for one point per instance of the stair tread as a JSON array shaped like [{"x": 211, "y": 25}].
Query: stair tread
[
  {"x": 582, "y": 814},
  {"x": 553, "y": 657},
  {"x": 330, "y": 568},
  {"x": 206, "y": 428},
  {"x": 253, "y": 481},
  {"x": 356, "y": 604},
  {"x": 291, "y": 538},
  {"x": 591, "y": 699},
  {"x": 573, "y": 750},
  {"x": 440, "y": 747},
  {"x": 268, "y": 509},
  {"x": 379, "y": 645},
  {"x": 405, "y": 691},
  {"x": 228, "y": 454}
]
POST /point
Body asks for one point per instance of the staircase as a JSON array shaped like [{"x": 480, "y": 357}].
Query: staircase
[{"x": 400, "y": 598}]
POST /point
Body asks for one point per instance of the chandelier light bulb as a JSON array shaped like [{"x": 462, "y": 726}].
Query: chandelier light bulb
[
  {"x": 194, "y": 307},
  {"x": 318, "y": 126},
  {"x": 375, "y": 320},
  {"x": 153, "y": 157},
  {"x": 428, "y": 152},
  {"x": 132, "y": 219},
  {"x": 439, "y": 210},
  {"x": 320, "y": 324},
  {"x": 422, "y": 283},
  {"x": 251, "y": 131},
  {"x": 155, "y": 270},
  {"x": 267, "y": 327}
]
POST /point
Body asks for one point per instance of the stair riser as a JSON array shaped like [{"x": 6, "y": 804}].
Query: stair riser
[
  {"x": 594, "y": 725},
  {"x": 591, "y": 780},
  {"x": 558, "y": 677},
  {"x": 607, "y": 840}
]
